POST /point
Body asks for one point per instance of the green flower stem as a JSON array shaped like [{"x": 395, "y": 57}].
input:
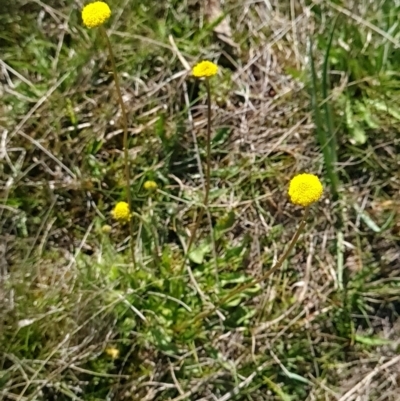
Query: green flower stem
[
  {"x": 251, "y": 283},
  {"x": 125, "y": 140},
  {"x": 207, "y": 175}
]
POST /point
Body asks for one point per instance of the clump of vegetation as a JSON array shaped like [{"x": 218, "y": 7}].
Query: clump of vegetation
[{"x": 152, "y": 244}]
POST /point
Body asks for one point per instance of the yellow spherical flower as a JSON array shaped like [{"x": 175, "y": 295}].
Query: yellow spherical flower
[
  {"x": 150, "y": 186},
  {"x": 305, "y": 189},
  {"x": 204, "y": 69},
  {"x": 121, "y": 212},
  {"x": 95, "y": 14}
]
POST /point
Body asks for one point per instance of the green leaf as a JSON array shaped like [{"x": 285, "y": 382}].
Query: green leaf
[
  {"x": 358, "y": 136},
  {"x": 372, "y": 341},
  {"x": 221, "y": 136},
  {"x": 323, "y": 119},
  {"x": 380, "y": 106},
  {"x": 197, "y": 254},
  {"x": 233, "y": 278},
  {"x": 357, "y": 133},
  {"x": 277, "y": 390},
  {"x": 224, "y": 223},
  {"x": 94, "y": 147},
  {"x": 160, "y": 127},
  {"x": 366, "y": 115}
]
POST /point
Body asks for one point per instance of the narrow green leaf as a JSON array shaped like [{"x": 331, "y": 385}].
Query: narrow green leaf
[
  {"x": 321, "y": 131},
  {"x": 277, "y": 390},
  {"x": 372, "y": 341},
  {"x": 366, "y": 219}
]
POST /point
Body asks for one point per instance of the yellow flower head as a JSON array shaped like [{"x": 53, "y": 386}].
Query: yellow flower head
[
  {"x": 204, "y": 69},
  {"x": 150, "y": 186},
  {"x": 95, "y": 14},
  {"x": 305, "y": 189},
  {"x": 121, "y": 212},
  {"x": 112, "y": 352}
]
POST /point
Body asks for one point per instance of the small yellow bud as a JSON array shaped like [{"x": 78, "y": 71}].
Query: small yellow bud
[
  {"x": 150, "y": 186},
  {"x": 106, "y": 229},
  {"x": 112, "y": 352}
]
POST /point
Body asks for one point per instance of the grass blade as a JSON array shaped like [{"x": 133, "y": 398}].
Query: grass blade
[{"x": 321, "y": 130}]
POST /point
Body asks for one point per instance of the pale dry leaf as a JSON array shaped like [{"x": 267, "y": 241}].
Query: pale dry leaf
[
  {"x": 25, "y": 322},
  {"x": 222, "y": 30}
]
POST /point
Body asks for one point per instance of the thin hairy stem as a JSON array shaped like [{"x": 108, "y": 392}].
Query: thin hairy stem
[
  {"x": 125, "y": 140},
  {"x": 208, "y": 148},
  {"x": 207, "y": 176}
]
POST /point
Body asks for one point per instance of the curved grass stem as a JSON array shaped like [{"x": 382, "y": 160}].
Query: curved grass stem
[
  {"x": 125, "y": 140},
  {"x": 251, "y": 283}
]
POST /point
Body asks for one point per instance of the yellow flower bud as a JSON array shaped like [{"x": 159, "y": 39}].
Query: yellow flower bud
[
  {"x": 150, "y": 186},
  {"x": 106, "y": 229},
  {"x": 112, "y": 352}
]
